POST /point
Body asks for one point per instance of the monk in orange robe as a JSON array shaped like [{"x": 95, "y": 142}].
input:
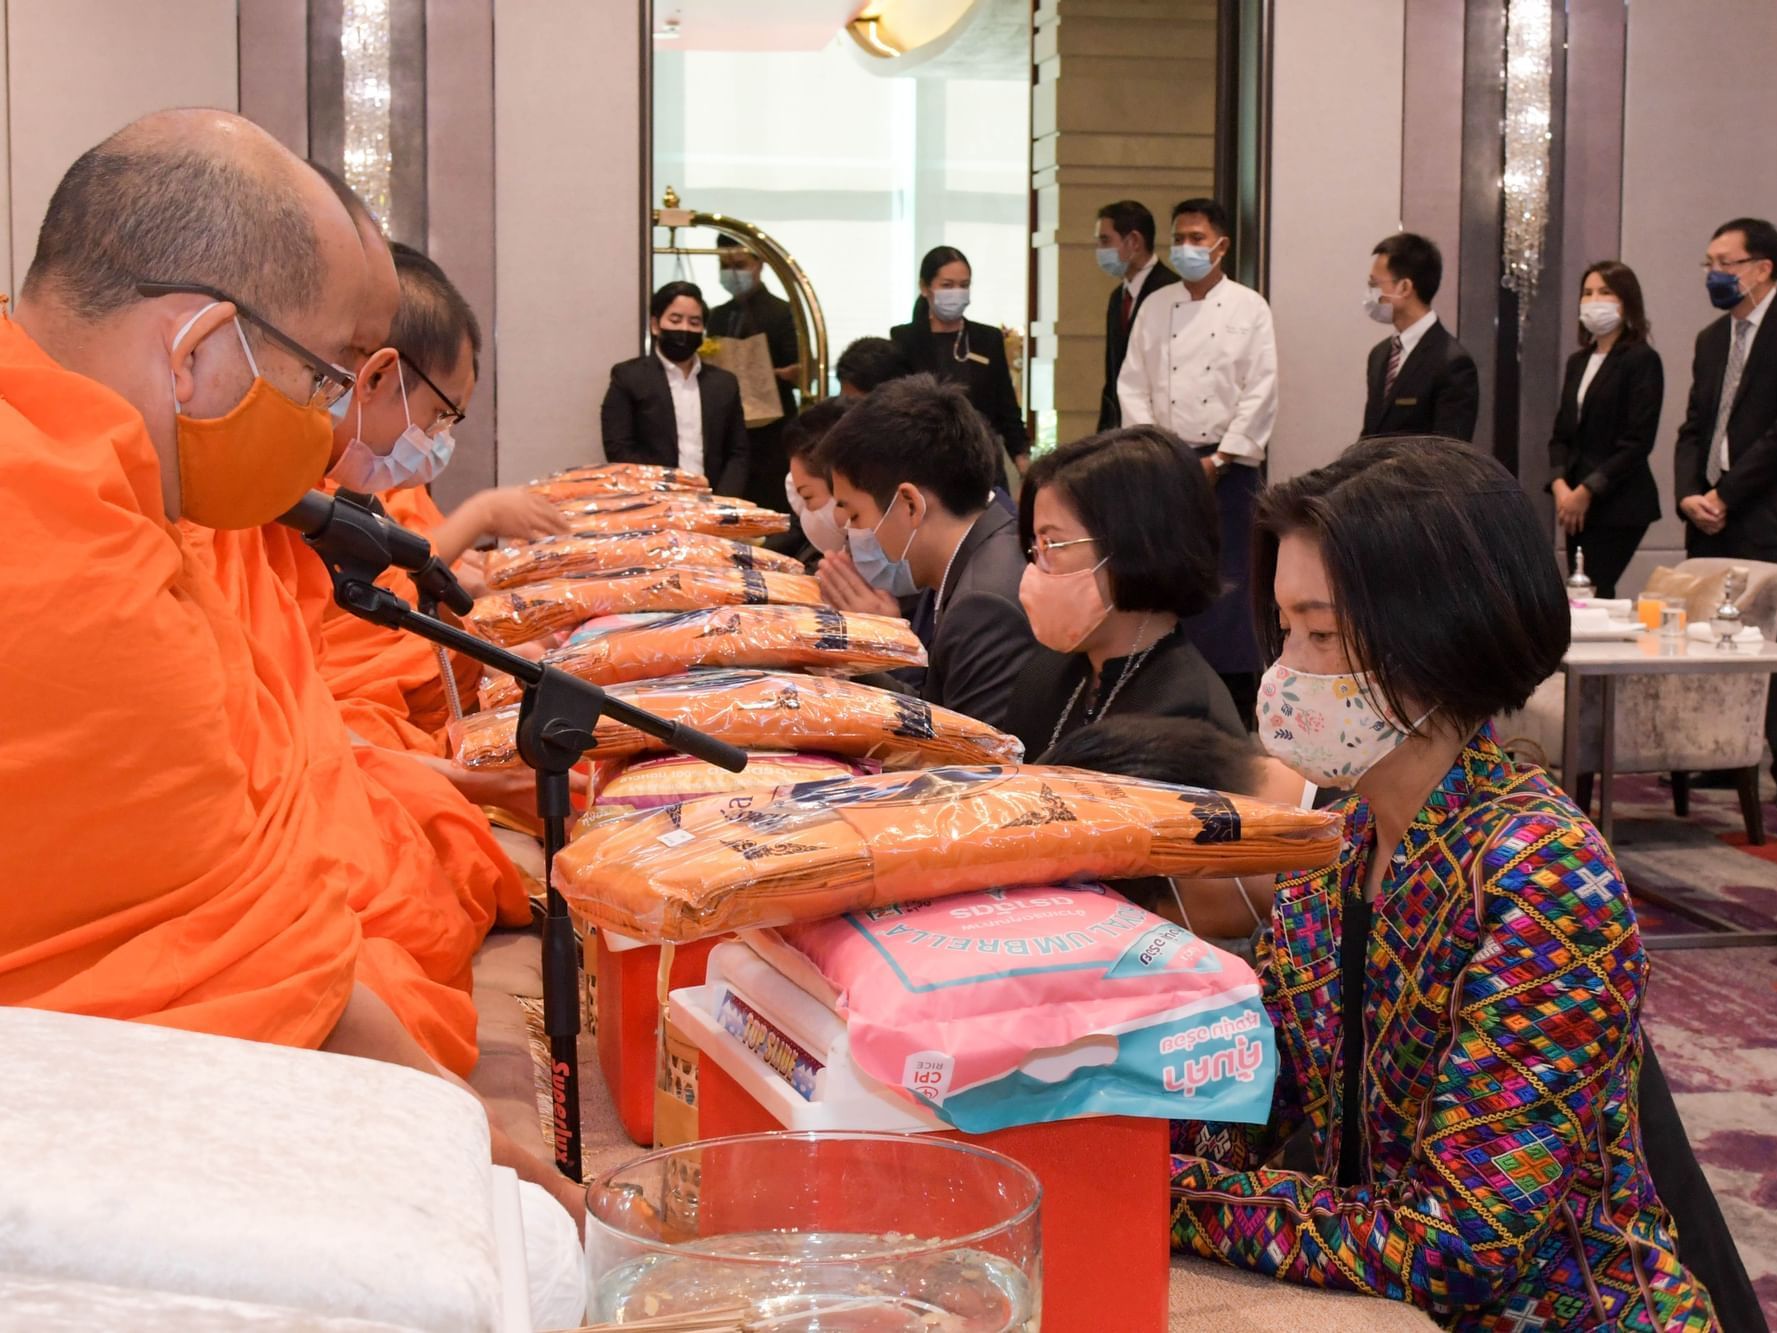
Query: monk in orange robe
[{"x": 165, "y": 831}]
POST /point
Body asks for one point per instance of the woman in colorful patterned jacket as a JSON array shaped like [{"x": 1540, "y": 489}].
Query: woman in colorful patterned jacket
[{"x": 1457, "y": 1000}]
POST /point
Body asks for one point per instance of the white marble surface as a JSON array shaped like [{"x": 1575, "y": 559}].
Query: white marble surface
[
  {"x": 45, "y": 1305},
  {"x": 152, "y": 1159}
]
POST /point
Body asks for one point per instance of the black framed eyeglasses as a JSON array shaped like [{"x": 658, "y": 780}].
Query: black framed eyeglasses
[
  {"x": 331, "y": 382},
  {"x": 452, "y": 413},
  {"x": 1723, "y": 265}
]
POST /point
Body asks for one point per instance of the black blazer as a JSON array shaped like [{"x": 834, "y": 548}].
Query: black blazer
[
  {"x": 638, "y": 424},
  {"x": 983, "y": 373},
  {"x": 1604, "y": 445},
  {"x": 1116, "y": 340},
  {"x": 1438, "y": 391},
  {"x": 1749, "y": 486},
  {"x": 1174, "y": 681},
  {"x": 982, "y": 638}
]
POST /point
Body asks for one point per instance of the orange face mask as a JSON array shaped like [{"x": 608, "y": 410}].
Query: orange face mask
[{"x": 245, "y": 468}]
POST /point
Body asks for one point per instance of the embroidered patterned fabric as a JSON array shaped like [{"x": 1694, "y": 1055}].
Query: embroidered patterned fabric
[
  {"x": 1505, "y": 1187},
  {"x": 809, "y": 637},
  {"x": 519, "y": 563},
  {"x": 769, "y": 710},
  {"x": 822, "y": 849},
  {"x": 523, "y": 614}
]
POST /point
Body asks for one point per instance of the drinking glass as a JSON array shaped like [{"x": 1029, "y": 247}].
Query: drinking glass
[
  {"x": 1650, "y": 608},
  {"x": 836, "y": 1232}
]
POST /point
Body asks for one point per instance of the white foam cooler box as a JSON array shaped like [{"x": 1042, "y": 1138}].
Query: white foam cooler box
[{"x": 774, "y": 1055}]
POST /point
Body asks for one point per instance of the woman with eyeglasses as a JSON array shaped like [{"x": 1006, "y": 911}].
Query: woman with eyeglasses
[{"x": 1120, "y": 530}]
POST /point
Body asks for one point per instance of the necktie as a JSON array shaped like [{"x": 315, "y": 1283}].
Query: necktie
[
  {"x": 1730, "y": 388},
  {"x": 1394, "y": 365},
  {"x": 1128, "y": 309}
]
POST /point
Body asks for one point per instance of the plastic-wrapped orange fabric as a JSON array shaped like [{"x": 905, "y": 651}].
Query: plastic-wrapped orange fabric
[
  {"x": 717, "y": 520},
  {"x": 523, "y": 614},
  {"x": 819, "y": 850},
  {"x": 662, "y": 780},
  {"x": 769, "y": 710},
  {"x": 398, "y": 887},
  {"x": 160, "y": 843},
  {"x": 649, "y": 473},
  {"x": 519, "y": 563},
  {"x": 809, "y": 637}
]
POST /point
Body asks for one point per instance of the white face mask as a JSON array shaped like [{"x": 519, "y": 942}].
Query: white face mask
[
  {"x": 1325, "y": 727},
  {"x": 822, "y": 529},
  {"x": 1600, "y": 317},
  {"x": 412, "y": 461},
  {"x": 1376, "y": 308},
  {"x": 948, "y": 303}
]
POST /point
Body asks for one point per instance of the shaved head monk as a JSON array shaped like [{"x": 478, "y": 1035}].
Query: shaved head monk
[{"x": 174, "y": 351}]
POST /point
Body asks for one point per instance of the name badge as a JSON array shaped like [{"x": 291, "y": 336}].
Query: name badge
[
  {"x": 1406, "y": 402},
  {"x": 977, "y": 358}
]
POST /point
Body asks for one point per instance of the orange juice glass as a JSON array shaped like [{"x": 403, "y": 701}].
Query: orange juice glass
[{"x": 1648, "y": 609}]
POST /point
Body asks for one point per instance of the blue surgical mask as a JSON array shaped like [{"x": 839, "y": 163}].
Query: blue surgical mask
[
  {"x": 1112, "y": 262},
  {"x": 895, "y": 577},
  {"x": 1191, "y": 262},
  {"x": 1724, "y": 290},
  {"x": 948, "y": 303},
  {"x": 739, "y": 281}
]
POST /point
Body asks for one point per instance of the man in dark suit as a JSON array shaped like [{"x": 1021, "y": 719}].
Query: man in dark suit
[
  {"x": 1421, "y": 380},
  {"x": 1126, "y": 252},
  {"x": 911, "y": 466},
  {"x": 1726, "y": 459},
  {"x": 751, "y": 312},
  {"x": 671, "y": 409}
]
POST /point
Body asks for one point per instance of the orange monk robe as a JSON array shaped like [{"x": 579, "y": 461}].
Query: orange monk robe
[
  {"x": 161, "y": 854},
  {"x": 388, "y": 684},
  {"x": 488, "y": 886},
  {"x": 418, "y": 940}
]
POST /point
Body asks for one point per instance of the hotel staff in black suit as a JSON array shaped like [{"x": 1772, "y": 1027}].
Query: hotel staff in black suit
[
  {"x": 1125, "y": 241},
  {"x": 1421, "y": 380},
  {"x": 670, "y": 408},
  {"x": 1605, "y": 494}
]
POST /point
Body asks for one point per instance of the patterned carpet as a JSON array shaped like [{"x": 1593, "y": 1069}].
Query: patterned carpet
[{"x": 1713, "y": 1012}]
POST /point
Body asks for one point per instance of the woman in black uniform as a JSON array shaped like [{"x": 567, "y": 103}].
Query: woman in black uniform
[{"x": 941, "y": 342}]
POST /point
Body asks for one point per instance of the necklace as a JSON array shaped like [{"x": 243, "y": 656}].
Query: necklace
[{"x": 1131, "y": 665}]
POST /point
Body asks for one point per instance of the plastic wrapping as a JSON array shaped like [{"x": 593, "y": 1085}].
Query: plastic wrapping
[
  {"x": 811, "y": 637},
  {"x": 769, "y": 710},
  {"x": 656, "y": 781},
  {"x": 823, "y": 849},
  {"x": 1020, "y": 1006},
  {"x": 646, "y": 473},
  {"x": 519, "y": 563},
  {"x": 522, "y": 614},
  {"x": 739, "y": 520}
]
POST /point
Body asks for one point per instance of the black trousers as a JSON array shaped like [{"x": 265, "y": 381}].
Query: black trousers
[{"x": 1608, "y": 552}]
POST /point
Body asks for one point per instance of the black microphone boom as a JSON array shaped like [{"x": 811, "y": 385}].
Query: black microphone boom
[{"x": 354, "y": 528}]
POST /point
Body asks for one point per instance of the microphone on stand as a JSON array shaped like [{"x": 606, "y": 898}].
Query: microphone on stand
[{"x": 348, "y": 524}]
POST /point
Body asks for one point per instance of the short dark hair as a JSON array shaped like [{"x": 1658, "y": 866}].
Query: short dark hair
[
  {"x": 433, "y": 318},
  {"x": 1626, "y": 287},
  {"x": 1141, "y": 493},
  {"x": 804, "y": 432},
  {"x": 1416, "y": 259},
  {"x": 664, "y": 298},
  {"x": 918, "y": 430},
  {"x": 140, "y": 207},
  {"x": 1760, "y": 235},
  {"x": 1443, "y": 579},
  {"x": 1185, "y": 751},
  {"x": 1210, "y": 210},
  {"x": 870, "y": 362},
  {"x": 1127, "y": 215}
]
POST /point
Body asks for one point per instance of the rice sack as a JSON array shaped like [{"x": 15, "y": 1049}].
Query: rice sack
[
  {"x": 808, "y": 637},
  {"x": 827, "y": 848},
  {"x": 1020, "y": 1006}
]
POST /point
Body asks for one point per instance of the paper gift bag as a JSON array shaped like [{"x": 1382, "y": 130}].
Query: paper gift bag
[{"x": 749, "y": 361}]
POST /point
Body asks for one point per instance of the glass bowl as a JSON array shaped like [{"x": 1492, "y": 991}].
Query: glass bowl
[{"x": 819, "y": 1233}]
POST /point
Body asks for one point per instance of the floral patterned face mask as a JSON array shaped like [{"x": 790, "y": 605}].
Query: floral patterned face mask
[{"x": 1325, "y": 727}]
